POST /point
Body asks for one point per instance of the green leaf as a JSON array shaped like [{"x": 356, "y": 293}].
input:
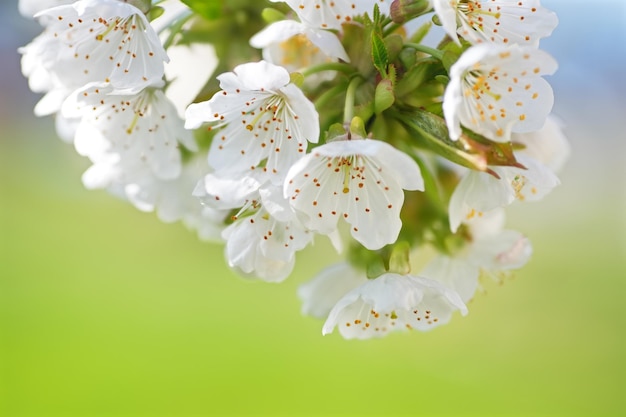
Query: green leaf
[
  {"x": 210, "y": 9},
  {"x": 449, "y": 58},
  {"x": 358, "y": 47},
  {"x": 380, "y": 56},
  {"x": 433, "y": 132},
  {"x": 471, "y": 150}
]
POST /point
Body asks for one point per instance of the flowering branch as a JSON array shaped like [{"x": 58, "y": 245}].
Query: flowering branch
[{"x": 324, "y": 119}]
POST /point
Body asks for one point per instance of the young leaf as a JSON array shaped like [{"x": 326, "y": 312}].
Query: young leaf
[{"x": 380, "y": 56}]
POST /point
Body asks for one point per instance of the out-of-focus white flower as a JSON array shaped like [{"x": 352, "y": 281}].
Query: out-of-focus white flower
[
  {"x": 295, "y": 45},
  {"x": 358, "y": 180},
  {"x": 504, "y": 22},
  {"x": 492, "y": 251},
  {"x": 88, "y": 41},
  {"x": 320, "y": 294},
  {"x": 496, "y": 90},
  {"x": 331, "y": 14},
  {"x": 29, "y": 8},
  {"x": 480, "y": 192},
  {"x": 265, "y": 117},
  {"x": 393, "y": 302},
  {"x": 547, "y": 145},
  {"x": 127, "y": 136}
]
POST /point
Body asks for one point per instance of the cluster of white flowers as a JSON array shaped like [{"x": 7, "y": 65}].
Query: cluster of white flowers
[{"x": 344, "y": 126}]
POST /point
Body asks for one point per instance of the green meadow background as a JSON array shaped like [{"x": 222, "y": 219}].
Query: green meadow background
[{"x": 105, "y": 311}]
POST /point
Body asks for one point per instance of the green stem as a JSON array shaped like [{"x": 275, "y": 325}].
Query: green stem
[
  {"x": 328, "y": 95},
  {"x": 348, "y": 109},
  {"x": 391, "y": 28},
  {"x": 329, "y": 66},
  {"x": 435, "y": 53}
]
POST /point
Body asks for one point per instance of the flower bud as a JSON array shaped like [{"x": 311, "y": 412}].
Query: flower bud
[{"x": 404, "y": 10}]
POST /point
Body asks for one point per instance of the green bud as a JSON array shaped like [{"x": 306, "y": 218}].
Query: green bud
[
  {"x": 270, "y": 15},
  {"x": 384, "y": 96},
  {"x": 336, "y": 131},
  {"x": 296, "y": 78},
  {"x": 399, "y": 259},
  {"x": 404, "y": 10},
  {"x": 357, "y": 128}
]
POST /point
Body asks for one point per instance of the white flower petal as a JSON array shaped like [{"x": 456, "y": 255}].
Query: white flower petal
[
  {"x": 496, "y": 90},
  {"x": 496, "y": 21},
  {"x": 360, "y": 181},
  {"x": 327, "y": 14},
  {"x": 266, "y": 118},
  {"x": 548, "y": 145},
  {"x": 393, "y": 302},
  {"x": 456, "y": 273},
  {"x": 320, "y": 294},
  {"x": 101, "y": 41}
]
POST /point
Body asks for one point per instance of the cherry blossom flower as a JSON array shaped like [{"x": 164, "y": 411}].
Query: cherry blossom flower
[
  {"x": 393, "y": 302},
  {"x": 360, "y": 181},
  {"x": 496, "y": 90},
  {"x": 93, "y": 41},
  {"x": 496, "y": 21},
  {"x": 548, "y": 145},
  {"x": 491, "y": 251},
  {"x": 127, "y": 136},
  {"x": 327, "y": 14},
  {"x": 264, "y": 116}
]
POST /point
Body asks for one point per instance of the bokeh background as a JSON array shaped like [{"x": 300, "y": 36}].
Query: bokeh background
[{"x": 105, "y": 311}]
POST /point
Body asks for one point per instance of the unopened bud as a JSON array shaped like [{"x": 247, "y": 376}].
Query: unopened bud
[{"x": 404, "y": 10}]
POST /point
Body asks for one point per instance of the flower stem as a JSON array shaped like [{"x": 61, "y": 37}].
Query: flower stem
[
  {"x": 348, "y": 109},
  {"x": 435, "y": 53},
  {"x": 328, "y": 95},
  {"x": 329, "y": 66}
]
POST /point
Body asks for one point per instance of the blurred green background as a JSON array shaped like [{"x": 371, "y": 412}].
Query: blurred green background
[{"x": 105, "y": 311}]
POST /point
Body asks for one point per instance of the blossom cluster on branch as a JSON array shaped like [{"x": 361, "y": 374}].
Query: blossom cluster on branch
[{"x": 325, "y": 118}]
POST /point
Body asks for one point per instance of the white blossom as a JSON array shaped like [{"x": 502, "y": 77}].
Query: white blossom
[
  {"x": 106, "y": 41},
  {"x": 496, "y": 21},
  {"x": 294, "y": 45},
  {"x": 548, "y": 145},
  {"x": 393, "y": 302},
  {"x": 360, "y": 181},
  {"x": 331, "y": 14},
  {"x": 496, "y": 90},
  {"x": 264, "y": 116},
  {"x": 491, "y": 251},
  {"x": 127, "y": 136}
]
